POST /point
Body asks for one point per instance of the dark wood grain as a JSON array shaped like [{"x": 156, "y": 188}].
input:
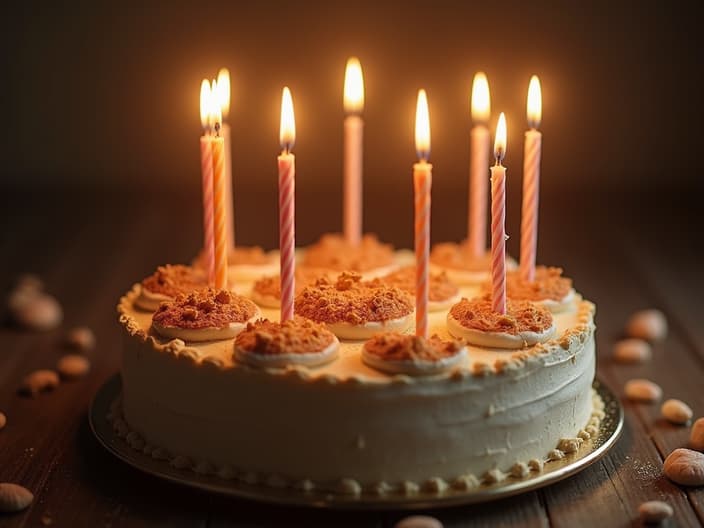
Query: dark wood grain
[{"x": 89, "y": 247}]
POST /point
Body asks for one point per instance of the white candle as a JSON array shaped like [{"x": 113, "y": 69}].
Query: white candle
[
  {"x": 354, "y": 126},
  {"x": 531, "y": 182},
  {"x": 479, "y": 160}
]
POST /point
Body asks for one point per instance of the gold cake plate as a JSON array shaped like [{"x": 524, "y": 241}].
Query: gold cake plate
[{"x": 591, "y": 451}]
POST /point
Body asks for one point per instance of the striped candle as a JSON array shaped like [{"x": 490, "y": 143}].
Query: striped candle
[
  {"x": 219, "y": 212},
  {"x": 206, "y": 162},
  {"x": 223, "y": 94},
  {"x": 287, "y": 178},
  {"x": 531, "y": 183},
  {"x": 353, "y": 99},
  {"x": 422, "y": 182},
  {"x": 479, "y": 159},
  {"x": 498, "y": 221}
]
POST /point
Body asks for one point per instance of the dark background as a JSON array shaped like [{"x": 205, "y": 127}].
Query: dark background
[{"x": 106, "y": 95}]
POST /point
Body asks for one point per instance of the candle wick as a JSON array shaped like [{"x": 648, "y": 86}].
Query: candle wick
[{"x": 217, "y": 129}]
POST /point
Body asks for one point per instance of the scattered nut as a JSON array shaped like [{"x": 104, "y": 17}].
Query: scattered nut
[
  {"x": 39, "y": 381},
  {"x": 676, "y": 411},
  {"x": 643, "y": 390},
  {"x": 696, "y": 438},
  {"x": 3, "y": 420},
  {"x": 654, "y": 512},
  {"x": 14, "y": 498},
  {"x": 632, "y": 351},
  {"x": 419, "y": 521},
  {"x": 39, "y": 312},
  {"x": 30, "y": 281},
  {"x": 685, "y": 467},
  {"x": 650, "y": 325},
  {"x": 73, "y": 366},
  {"x": 80, "y": 338}
]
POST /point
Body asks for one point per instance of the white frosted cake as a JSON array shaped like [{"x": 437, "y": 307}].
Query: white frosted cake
[{"x": 345, "y": 427}]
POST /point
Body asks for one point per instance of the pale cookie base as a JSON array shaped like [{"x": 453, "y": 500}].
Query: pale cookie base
[
  {"x": 414, "y": 367},
  {"x": 251, "y": 272},
  {"x": 498, "y": 339},
  {"x": 150, "y": 301},
  {"x": 191, "y": 335},
  {"x": 367, "y": 330},
  {"x": 469, "y": 278},
  {"x": 558, "y": 306},
  {"x": 440, "y": 306},
  {"x": 312, "y": 359},
  {"x": 265, "y": 301}
]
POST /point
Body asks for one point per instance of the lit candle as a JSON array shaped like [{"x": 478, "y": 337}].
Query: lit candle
[
  {"x": 223, "y": 94},
  {"x": 354, "y": 126},
  {"x": 219, "y": 193},
  {"x": 479, "y": 160},
  {"x": 287, "y": 236},
  {"x": 206, "y": 163},
  {"x": 422, "y": 181},
  {"x": 498, "y": 220},
  {"x": 531, "y": 181}
]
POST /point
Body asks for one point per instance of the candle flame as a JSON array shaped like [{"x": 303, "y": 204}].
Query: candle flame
[
  {"x": 422, "y": 126},
  {"x": 535, "y": 102},
  {"x": 205, "y": 104},
  {"x": 287, "y": 130},
  {"x": 224, "y": 91},
  {"x": 500, "y": 139},
  {"x": 215, "y": 110},
  {"x": 481, "y": 101},
  {"x": 354, "y": 87}
]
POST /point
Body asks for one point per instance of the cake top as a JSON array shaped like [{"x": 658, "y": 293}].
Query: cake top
[
  {"x": 520, "y": 316},
  {"x": 351, "y": 300},
  {"x": 548, "y": 284},
  {"x": 401, "y": 347},
  {"x": 333, "y": 252},
  {"x": 458, "y": 256},
  {"x": 171, "y": 280},
  {"x": 295, "y": 336},
  {"x": 205, "y": 308},
  {"x": 440, "y": 287},
  {"x": 240, "y": 256},
  {"x": 271, "y": 285}
]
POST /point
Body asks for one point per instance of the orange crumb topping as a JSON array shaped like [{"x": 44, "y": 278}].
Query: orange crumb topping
[
  {"x": 171, "y": 280},
  {"x": 520, "y": 316},
  {"x": 333, "y": 252},
  {"x": 241, "y": 255},
  {"x": 206, "y": 308},
  {"x": 351, "y": 300},
  {"x": 296, "y": 336},
  {"x": 398, "y": 347},
  {"x": 458, "y": 257},
  {"x": 440, "y": 287},
  {"x": 548, "y": 284},
  {"x": 271, "y": 286}
]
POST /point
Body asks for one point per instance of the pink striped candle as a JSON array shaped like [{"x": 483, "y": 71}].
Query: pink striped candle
[
  {"x": 498, "y": 221},
  {"x": 354, "y": 127},
  {"x": 223, "y": 94},
  {"x": 287, "y": 179},
  {"x": 219, "y": 211},
  {"x": 479, "y": 159},
  {"x": 206, "y": 161},
  {"x": 531, "y": 183},
  {"x": 422, "y": 182}
]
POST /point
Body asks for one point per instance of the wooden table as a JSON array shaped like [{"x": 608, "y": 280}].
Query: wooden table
[{"x": 90, "y": 247}]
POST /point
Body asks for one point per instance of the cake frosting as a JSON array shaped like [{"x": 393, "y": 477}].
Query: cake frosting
[
  {"x": 346, "y": 427},
  {"x": 167, "y": 282}
]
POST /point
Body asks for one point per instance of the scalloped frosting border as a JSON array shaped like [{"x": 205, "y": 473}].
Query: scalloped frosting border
[
  {"x": 514, "y": 362},
  {"x": 350, "y": 486}
]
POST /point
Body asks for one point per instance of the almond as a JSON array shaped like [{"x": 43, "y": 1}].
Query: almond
[
  {"x": 419, "y": 521},
  {"x": 39, "y": 381},
  {"x": 73, "y": 366},
  {"x": 696, "y": 438},
  {"x": 632, "y": 351},
  {"x": 3, "y": 420},
  {"x": 39, "y": 312},
  {"x": 650, "y": 325},
  {"x": 643, "y": 390},
  {"x": 654, "y": 512},
  {"x": 676, "y": 411},
  {"x": 685, "y": 467},
  {"x": 80, "y": 338},
  {"x": 14, "y": 498}
]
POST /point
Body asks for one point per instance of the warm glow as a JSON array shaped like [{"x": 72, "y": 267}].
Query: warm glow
[
  {"x": 215, "y": 110},
  {"x": 422, "y": 126},
  {"x": 287, "y": 130},
  {"x": 481, "y": 101},
  {"x": 500, "y": 139},
  {"x": 224, "y": 91},
  {"x": 535, "y": 103},
  {"x": 354, "y": 87},
  {"x": 205, "y": 103}
]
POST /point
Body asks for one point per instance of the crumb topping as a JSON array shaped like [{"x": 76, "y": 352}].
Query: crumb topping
[
  {"x": 458, "y": 257},
  {"x": 399, "y": 347},
  {"x": 440, "y": 287},
  {"x": 333, "y": 252},
  {"x": 271, "y": 286},
  {"x": 351, "y": 300},
  {"x": 171, "y": 280},
  {"x": 296, "y": 336},
  {"x": 206, "y": 308},
  {"x": 548, "y": 284},
  {"x": 520, "y": 316}
]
